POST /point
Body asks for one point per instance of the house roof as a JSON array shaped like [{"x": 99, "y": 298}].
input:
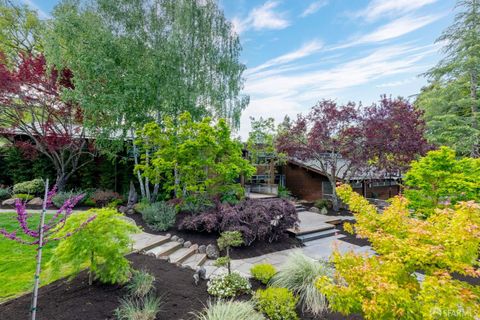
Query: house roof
[{"x": 370, "y": 173}]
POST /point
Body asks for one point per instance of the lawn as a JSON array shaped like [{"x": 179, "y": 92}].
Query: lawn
[{"x": 17, "y": 261}]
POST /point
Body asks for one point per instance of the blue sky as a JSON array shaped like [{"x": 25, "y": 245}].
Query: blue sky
[{"x": 300, "y": 51}]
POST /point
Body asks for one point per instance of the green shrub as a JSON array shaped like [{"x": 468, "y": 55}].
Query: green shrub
[
  {"x": 100, "y": 245},
  {"x": 60, "y": 198},
  {"x": 231, "y": 193},
  {"x": 140, "y": 284},
  {"x": 89, "y": 202},
  {"x": 284, "y": 193},
  {"x": 323, "y": 203},
  {"x": 263, "y": 272},
  {"x": 142, "y": 204},
  {"x": 299, "y": 275},
  {"x": 277, "y": 303},
  {"x": 159, "y": 216},
  {"x": 197, "y": 203},
  {"x": 139, "y": 309},
  {"x": 226, "y": 310},
  {"x": 4, "y": 193},
  {"x": 23, "y": 196},
  {"x": 33, "y": 187},
  {"x": 228, "y": 285}
]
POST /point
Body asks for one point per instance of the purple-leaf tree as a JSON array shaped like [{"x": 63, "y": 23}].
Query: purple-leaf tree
[
  {"x": 329, "y": 137},
  {"x": 44, "y": 233}
]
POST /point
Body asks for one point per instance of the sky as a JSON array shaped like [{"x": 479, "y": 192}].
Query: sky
[{"x": 298, "y": 52}]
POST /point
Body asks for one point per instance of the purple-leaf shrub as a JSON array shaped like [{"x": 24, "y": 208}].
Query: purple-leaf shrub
[{"x": 263, "y": 220}]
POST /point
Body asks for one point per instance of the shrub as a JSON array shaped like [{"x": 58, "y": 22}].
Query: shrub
[
  {"x": 23, "y": 196},
  {"x": 264, "y": 220},
  {"x": 263, "y": 272},
  {"x": 159, "y": 216},
  {"x": 384, "y": 285},
  {"x": 284, "y": 193},
  {"x": 197, "y": 203},
  {"x": 142, "y": 204},
  {"x": 323, "y": 203},
  {"x": 101, "y": 245},
  {"x": 234, "y": 310},
  {"x": 299, "y": 275},
  {"x": 4, "y": 193},
  {"x": 140, "y": 284},
  {"x": 33, "y": 187},
  {"x": 139, "y": 309},
  {"x": 277, "y": 303},
  {"x": 231, "y": 194},
  {"x": 440, "y": 179},
  {"x": 103, "y": 197},
  {"x": 228, "y": 285},
  {"x": 59, "y": 198},
  {"x": 228, "y": 239}
]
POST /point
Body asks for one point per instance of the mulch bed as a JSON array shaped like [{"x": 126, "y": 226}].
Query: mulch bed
[
  {"x": 77, "y": 300},
  {"x": 257, "y": 248}
]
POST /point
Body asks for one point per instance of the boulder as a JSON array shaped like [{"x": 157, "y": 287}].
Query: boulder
[
  {"x": 9, "y": 202},
  {"x": 132, "y": 195},
  {"x": 122, "y": 209},
  {"x": 324, "y": 210},
  {"x": 202, "y": 248},
  {"x": 174, "y": 238},
  {"x": 314, "y": 209},
  {"x": 130, "y": 210},
  {"x": 212, "y": 251},
  {"x": 36, "y": 202},
  {"x": 180, "y": 240},
  {"x": 187, "y": 244}
]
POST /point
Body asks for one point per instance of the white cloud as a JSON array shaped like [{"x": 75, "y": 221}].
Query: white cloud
[
  {"x": 263, "y": 17},
  {"x": 306, "y": 50},
  {"x": 42, "y": 14},
  {"x": 391, "y": 30},
  {"x": 314, "y": 7},
  {"x": 398, "y": 83},
  {"x": 377, "y": 9}
]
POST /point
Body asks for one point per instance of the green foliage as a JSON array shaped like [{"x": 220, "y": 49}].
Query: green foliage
[
  {"x": 385, "y": 286},
  {"x": 223, "y": 310},
  {"x": 263, "y": 272},
  {"x": 145, "y": 308},
  {"x": 99, "y": 245},
  {"x": 192, "y": 157},
  {"x": 60, "y": 197},
  {"x": 33, "y": 187},
  {"x": 228, "y": 285},
  {"x": 229, "y": 239},
  {"x": 323, "y": 203},
  {"x": 284, "y": 193},
  {"x": 197, "y": 203},
  {"x": 140, "y": 284},
  {"x": 277, "y": 303},
  {"x": 5, "y": 193},
  {"x": 231, "y": 194},
  {"x": 23, "y": 196},
  {"x": 222, "y": 261},
  {"x": 440, "y": 179},
  {"x": 299, "y": 275},
  {"x": 160, "y": 216}
]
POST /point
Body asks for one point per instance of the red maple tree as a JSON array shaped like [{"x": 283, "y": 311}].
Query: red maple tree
[{"x": 36, "y": 119}]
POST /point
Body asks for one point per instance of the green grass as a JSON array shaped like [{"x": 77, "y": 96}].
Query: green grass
[{"x": 17, "y": 261}]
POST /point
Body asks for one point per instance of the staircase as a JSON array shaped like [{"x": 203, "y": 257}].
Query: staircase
[
  {"x": 176, "y": 251},
  {"x": 312, "y": 225}
]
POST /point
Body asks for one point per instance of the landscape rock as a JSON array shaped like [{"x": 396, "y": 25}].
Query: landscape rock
[
  {"x": 168, "y": 235},
  {"x": 122, "y": 209},
  {"x": 180, "y": 240},
  {"x": 202, "y": 248},
  {"x": 212, "y": 251},
  {"x": 9, "y": 202},
  {"x": 324, "y": 210},
  {"x": 174, "y": 238},
  {"x": 314, "y": 209},
  {"x": 37, "y": 202},
  {"x": 132, "y": 195},
  {"x": 187, "y": 244},
  {"x": 130, "y": 211},
  {"x": 129, "y": 220}
]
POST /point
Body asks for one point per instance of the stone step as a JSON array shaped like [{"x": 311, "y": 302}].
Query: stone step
[
  {"x": 182, "y": 254},
  {"x": 145, "y": 242},
  {"x": 195, "y": 260},
  {"x": 317, "y": 235},
  {"x": 164, "y": 249}
]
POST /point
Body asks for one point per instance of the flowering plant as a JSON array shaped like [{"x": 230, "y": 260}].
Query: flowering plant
[{"x": 228, "y": 285}]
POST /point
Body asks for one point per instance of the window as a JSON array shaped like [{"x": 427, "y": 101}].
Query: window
[{"x": 327, "y": 188}]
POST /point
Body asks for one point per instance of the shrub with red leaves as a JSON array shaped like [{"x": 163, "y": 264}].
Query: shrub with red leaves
[{"x": 263, "y": 220}]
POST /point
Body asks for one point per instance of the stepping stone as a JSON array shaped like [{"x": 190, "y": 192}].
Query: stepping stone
[
  {"x": 165, "y": 249},
  {"x": 195, "y": 260},
  {"x": 182, "y": 254},
  {"x": 214, "y": 271},
  {"x": 145, "y": 241}
]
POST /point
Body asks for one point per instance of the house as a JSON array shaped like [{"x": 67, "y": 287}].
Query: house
[{"x": 306, "y": 180}]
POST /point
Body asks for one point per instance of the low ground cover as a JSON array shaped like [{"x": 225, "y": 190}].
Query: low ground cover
[{"x": 17, "y": 261}]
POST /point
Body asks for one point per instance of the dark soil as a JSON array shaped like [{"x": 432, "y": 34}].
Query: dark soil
[
  {"x": 351, "y": 238},
  {"x": 257, "y": 248},
  {"x": 76, "y": 300}
]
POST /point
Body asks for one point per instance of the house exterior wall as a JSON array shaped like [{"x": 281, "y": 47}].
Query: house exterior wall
[{"x": 307, "y": 185}]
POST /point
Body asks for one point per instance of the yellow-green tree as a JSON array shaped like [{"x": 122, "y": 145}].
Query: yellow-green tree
[{"x": 387, "y": 285}]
